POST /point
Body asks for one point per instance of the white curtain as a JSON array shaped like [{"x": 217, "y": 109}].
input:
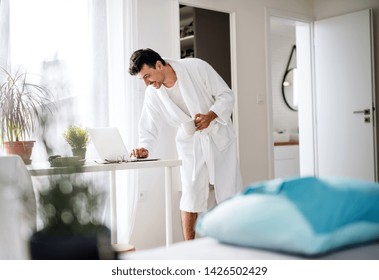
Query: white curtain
[
  {"x": 4, "y": 33},
  {"x": 4, "y": 37},
  {"x": 87, "y": 64},
  {"x": 113, "y": 95}
]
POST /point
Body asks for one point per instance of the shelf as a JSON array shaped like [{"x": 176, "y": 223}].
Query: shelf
[
  {"x": 288, "y": 143},
  {"x": 187, "y": 42},
  {"x": 190, "y": 37}
]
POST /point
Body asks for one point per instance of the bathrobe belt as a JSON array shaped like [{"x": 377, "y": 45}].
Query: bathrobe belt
[{"x": 202, "y": 149}]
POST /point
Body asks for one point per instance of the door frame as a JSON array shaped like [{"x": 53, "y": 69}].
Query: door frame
[
  {"x": 302, "y": 18},
  {"x": 233, "y": 50},
  {"x": 269, "y": 12},
  {"x": 374, "y": 99}
]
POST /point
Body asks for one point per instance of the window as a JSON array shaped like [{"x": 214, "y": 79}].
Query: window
[
  {"x": 78, "y": 48},
  {"x": 50, "y": 38}
]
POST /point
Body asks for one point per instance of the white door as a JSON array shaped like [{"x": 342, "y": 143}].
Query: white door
[{"x": 345, "y": 133}]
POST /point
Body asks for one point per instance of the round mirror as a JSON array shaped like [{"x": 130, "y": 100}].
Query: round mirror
[{"x": 288, "y": 89}]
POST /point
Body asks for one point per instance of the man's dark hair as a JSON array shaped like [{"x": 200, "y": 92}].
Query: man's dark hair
[{"x": 141, "y": 57}]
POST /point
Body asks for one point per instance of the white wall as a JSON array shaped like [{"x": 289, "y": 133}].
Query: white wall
[
  {"x": 156, "y": 29},
  {"x": 281, "y": 46}
]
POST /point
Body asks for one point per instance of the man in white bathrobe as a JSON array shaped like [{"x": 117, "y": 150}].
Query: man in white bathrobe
[{"x": 178, "y": 91}]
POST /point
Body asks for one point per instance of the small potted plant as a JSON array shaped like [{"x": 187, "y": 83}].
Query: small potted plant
[
  {"x": 78, "y": 138},
  {"x": 22, "y": 104}
]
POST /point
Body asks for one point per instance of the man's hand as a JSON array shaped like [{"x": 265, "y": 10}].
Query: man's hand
[
  {"x": 139, "y": 153},
  {"x": 202, "y": 121}
]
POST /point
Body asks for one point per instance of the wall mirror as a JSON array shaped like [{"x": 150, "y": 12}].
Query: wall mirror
[{"x": 289, "y": 82}]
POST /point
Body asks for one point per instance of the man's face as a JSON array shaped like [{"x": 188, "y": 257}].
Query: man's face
[{"x": 151, "y": 76}]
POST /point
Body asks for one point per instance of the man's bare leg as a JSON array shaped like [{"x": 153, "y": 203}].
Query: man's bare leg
[{"x": 188, "y": 224}]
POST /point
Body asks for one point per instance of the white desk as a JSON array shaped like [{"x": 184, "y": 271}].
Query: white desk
[{"x": 44, "y": 169}]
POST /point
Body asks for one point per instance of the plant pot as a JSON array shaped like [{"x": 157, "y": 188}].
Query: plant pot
[
  {"x": 22, "y": 148},
  {"x": 91, "y": 246},
  {"x": 79, "y": 152}
]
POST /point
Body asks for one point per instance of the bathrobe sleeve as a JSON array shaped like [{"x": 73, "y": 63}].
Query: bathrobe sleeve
[
  {"x": 220, "y": 91},
  {"x": 149, "y": 123}
]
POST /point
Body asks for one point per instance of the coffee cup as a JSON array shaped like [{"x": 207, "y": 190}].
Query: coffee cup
[{"x": 189, "y": 127}]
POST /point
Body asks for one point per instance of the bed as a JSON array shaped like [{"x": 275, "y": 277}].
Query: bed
[
  {"x": 291, "y": 218},
  {"x": 208, "y": 248}
]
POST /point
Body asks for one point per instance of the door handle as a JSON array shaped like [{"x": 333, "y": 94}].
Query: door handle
[{"x": 365, "y": 112}]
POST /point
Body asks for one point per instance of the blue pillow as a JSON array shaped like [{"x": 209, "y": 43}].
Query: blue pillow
[{"x": 307, "y": 216}]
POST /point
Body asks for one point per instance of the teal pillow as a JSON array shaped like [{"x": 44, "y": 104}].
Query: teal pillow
[{"x": 305, "y": 215}]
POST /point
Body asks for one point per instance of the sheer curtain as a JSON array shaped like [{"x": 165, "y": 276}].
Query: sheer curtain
[
  {"x": 113, "y": 96},
  {"x": 4, "y": 37},
  {"x": 4, "y": 33},
  {"x": 81, "y": 49}
]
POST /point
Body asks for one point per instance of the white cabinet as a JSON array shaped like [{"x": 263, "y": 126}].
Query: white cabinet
[{"x": 286, "y": 161}]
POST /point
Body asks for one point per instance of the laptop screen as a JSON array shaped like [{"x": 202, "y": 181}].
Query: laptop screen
[{"x": 109, "y": 144}]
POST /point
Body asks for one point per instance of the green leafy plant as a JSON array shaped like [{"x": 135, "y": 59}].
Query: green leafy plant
[
  {"x": 70, "y": 205},
  {"x": 77, "y": 137},
  {"x": 22, "y": 103},
  {"x": 71, "y": 209}
]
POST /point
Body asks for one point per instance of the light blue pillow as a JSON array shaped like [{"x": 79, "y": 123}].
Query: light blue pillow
[{"x": 306, "y": 215}]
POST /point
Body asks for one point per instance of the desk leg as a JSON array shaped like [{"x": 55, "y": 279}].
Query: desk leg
[
  {"x": 168, "y": 183},
  {"x": 113, "y": 208}
]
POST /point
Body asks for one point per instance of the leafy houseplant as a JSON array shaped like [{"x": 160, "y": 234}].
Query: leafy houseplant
[
  {"x": 66, "y": 206},
  {"x": 70, "y": 209},
  {"x": 78, "y": 138},
  {"x": 21, "y": 104}
]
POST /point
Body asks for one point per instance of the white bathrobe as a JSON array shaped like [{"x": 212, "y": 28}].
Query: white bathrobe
[{"x": 209, "y": 156}]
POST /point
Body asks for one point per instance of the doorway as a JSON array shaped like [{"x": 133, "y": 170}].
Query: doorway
[
  {"x": 205, "y": 34},
  {"x": 210, "y": 35},
  {"x": 291, "y": 97},
  {"x": 336, "y": 96}
]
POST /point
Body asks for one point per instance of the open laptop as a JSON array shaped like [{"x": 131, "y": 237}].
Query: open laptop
[{"x": 110, "y": 147}]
